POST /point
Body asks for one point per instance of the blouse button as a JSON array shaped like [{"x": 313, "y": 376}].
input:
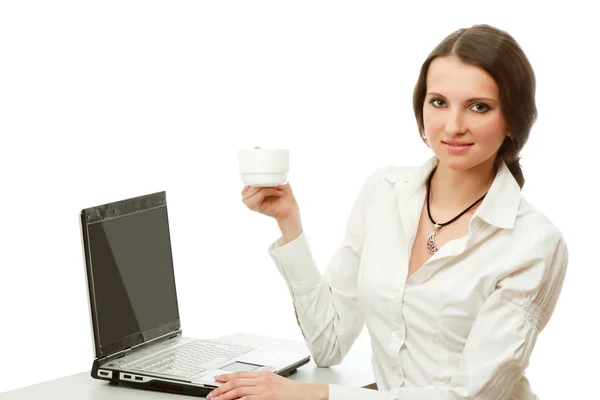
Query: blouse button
[{"x": 398, "y": 334}]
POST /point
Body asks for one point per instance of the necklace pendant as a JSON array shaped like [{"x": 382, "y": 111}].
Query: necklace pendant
[{"x": 431, "y": 247}]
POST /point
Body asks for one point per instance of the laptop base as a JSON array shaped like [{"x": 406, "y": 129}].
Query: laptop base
[{"x": 160, "y": 385}]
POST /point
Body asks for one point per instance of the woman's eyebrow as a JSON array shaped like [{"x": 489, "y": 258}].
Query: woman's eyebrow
[{"x": 468, "y": 101}]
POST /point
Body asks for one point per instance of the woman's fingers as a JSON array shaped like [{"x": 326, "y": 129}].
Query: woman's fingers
[
  {"x": 235, "y": 381},
  {"x": 242, "y": 392},
  {"x": 251, "y": 191},
  {"x": 236, "y": 388},
  {"x": 254, "y": 200}
]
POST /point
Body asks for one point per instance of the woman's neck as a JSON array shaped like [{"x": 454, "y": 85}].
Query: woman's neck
[{"x": 453, "y": 189}]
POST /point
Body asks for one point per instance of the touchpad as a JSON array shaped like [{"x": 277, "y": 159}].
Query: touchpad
[
  {"x": 271, "y": 357},
  {"x": 240, "y": 366}
]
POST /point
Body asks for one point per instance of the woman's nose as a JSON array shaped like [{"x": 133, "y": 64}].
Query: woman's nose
[{"x": 455, "y": 123}]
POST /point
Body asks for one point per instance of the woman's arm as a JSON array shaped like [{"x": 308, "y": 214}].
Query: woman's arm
[{"x": 326, "y": 306}]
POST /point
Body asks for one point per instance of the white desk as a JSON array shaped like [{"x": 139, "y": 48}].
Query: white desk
[{"x": 354, "y": 371}]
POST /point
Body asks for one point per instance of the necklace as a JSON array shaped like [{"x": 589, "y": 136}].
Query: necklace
[{"x": 436, "y": 227}]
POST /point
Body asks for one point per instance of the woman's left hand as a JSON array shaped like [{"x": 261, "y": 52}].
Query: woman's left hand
[{"x": 266, "y": 386}]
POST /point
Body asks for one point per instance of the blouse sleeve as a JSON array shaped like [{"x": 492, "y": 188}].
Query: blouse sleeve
[{"x": 326, "y": 306}]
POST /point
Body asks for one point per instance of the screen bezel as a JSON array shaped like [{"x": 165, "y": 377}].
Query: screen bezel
[{"x": 103, "y": 213}]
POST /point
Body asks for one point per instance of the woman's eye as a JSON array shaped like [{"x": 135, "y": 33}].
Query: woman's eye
[
  {"x": 477, "y": 107},
  {"x": 437, "y": 102},
  {"x": 480, "y": 107}
]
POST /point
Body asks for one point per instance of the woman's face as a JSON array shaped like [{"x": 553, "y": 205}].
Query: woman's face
[{"x": 463, "y": 122}]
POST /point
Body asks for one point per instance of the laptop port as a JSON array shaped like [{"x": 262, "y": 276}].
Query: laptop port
[
  {"x": 127, "y": 376},
  {"x": 103, "y": 373},
  {"x": 139, "y": 378}
]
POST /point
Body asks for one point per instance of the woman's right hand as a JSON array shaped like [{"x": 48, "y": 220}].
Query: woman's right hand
[{"x": 277, "y": 202}]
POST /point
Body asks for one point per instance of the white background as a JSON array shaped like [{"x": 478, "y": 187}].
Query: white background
[{"x": 101, "y": 101}]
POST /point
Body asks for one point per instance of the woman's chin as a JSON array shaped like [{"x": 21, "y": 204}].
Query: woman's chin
[{"x": 457, "y": 163}]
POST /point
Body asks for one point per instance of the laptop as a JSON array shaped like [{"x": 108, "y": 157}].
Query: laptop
[{"x": 134, "y": 311}]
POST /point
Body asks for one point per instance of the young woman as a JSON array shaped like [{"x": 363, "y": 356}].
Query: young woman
[{"x": 452, "y": 271}]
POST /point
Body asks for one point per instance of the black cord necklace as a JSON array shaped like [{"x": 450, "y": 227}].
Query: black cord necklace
[{"x": 436, "y": 227}]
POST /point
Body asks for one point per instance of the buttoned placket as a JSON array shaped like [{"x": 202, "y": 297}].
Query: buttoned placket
[
  {"x": 410, "y": 209},
  {"x": 410, "y": 203}
]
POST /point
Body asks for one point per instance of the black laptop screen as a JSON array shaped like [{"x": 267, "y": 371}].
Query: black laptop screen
[{"x": 132, "y": 271}]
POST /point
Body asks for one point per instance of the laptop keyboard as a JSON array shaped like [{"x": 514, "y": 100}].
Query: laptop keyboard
[{"x": 187, "y": 359}]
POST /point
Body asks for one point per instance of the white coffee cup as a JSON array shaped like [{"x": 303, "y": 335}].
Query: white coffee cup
[{"x": 264, "y": 167}]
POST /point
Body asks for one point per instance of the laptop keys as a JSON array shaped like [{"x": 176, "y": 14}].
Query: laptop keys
[{"x": 186, "y": 360}]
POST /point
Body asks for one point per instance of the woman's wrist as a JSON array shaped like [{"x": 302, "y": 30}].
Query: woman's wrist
[
  {"x": 290, "y": 227},
  {"x": 321, "y": 391}
]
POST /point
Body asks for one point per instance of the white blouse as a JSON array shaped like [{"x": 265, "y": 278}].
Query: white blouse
[{"x": 464, "y": 325}]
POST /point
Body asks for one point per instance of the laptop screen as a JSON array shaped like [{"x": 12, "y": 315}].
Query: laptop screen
[{"x": 133, "y": 278}]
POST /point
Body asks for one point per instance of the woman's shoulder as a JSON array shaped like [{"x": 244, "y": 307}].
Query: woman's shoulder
[
  {"x": 392, "y": 173},
  {"x": 384, "y": 178},
  {"x": 531, "y": 218},
  {"x": 538, "y": 232},
  {"x": 403, "y": 174}
]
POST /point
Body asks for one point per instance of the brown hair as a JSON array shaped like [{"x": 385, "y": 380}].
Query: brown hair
[{"x": 500, "y": 55}]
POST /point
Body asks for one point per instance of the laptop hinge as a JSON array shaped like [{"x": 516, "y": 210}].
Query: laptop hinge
[
  {"x": 129, "y": 350},
  {"x": 116, "y": 355},
  {"x": 158, "y": 339}
]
